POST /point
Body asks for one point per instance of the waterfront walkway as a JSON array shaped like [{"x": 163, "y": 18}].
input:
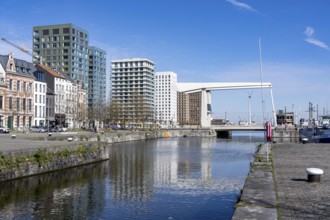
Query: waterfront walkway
[
  {"x": 280, "y": 190},
  {"x": 297, "y": 198}
]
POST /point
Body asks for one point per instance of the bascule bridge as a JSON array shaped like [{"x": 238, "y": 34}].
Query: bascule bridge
[{"x": 194, "y": 100}]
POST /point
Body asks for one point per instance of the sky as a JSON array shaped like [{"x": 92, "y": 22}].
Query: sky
[{"x": 202, "y": 41}]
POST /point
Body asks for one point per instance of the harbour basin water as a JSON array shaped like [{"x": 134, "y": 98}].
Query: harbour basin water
[{"x": 174, "y": 178}]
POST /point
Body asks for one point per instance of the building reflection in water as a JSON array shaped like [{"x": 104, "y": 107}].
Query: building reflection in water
[
  {"x": 62, "y": 195},
  {"x": 136, "y": 177},
  {"x": 137, "y": 169},
  {"x": 131, "y": 171}
]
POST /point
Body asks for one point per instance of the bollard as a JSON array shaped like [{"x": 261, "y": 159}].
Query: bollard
[
  {"x": 13, "y": 136},
  {"x": 304, "y": 140},
  {"x": 70, "y": 139},
  {"x": 314, "y": 175}
]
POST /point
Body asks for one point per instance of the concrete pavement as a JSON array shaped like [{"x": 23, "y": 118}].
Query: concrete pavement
[
  {"x": 28, "y": 141},
  {"x": 279, "y": 189},
  {"x": 297, "y": 198}
]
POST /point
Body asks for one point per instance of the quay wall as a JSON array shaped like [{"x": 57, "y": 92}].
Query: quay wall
[
  {"x": 258, "y": 197},
  {"x": 285, "y": 135},
  {"x": 83, "y": 149},
  {"x": 17, "y": 164},
  {"x": 115, "y": 137}
]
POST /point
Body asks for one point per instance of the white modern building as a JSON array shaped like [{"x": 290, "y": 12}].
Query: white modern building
[
  {"x": 133, "y": 90},
  {"x": 166, "y": 98},
  {"x": 40, "y": 90}
]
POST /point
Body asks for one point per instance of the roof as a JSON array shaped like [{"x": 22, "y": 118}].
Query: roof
[
  {"x": 23, "y": 68},
  {"x": 132, "y": 60},
  {"x": 50, "y": 71},
  {"x": 60, "y": 26},
  {"x": 67, "y": 77},
  {"x": 196, "y": 87}
]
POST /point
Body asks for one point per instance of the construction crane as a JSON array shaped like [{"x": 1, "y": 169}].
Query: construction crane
[{"x": 24, "y": 50}]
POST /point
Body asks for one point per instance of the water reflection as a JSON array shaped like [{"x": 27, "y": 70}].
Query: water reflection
[
  {"x": 64, "y": 194},
  {"x": 183, "y": 178}
]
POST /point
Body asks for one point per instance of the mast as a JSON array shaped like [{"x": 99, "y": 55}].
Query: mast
[{"x": 261, "y": 83}]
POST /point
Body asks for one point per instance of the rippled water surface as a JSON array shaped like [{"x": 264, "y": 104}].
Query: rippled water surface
[{"x": 183, "y": 178}]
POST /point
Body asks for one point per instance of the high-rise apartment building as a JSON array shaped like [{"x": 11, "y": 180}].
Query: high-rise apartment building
[
  {"x": 166, "y": 98},
  {"x": 97, "y": 81},
  {"x": 63, "y": 47},
  {"x": 132, "y": 91},
  {"x": 189, "y": 108}
]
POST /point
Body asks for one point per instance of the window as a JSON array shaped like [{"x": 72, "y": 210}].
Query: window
[
  {"x": 10, "y": 102},
  {"x": 45, "y": 32},
  {"x": 24, "y": 104},
  {"x": 18, "y": 85},
  {"x": 36, "y": 98},
  {"x": 56, "y": 31},
  {"x": 30, "y": 104},
  {"x": 24, "y": 86},
  {"x": 66, "y": 30},
  {"x": 36, "y": 111},
  {"x": 1, "y": 98},
  {"x": 11, "y": 84},
  {"x": 17, "y": 104}
]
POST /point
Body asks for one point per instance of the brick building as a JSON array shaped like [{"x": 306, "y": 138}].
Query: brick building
[{"x": 16, "y": 92}]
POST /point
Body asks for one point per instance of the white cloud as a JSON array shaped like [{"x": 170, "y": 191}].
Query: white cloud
[
  {"x": 309, "y": 32},
  {"x": 241, "y": 5},
  {"x": 317, "y": 43}
]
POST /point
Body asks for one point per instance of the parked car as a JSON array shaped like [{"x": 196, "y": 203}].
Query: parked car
[
  {"x": 49, "y": 129},
  {"x": 60, "y": 128},
  {"x": 4, "y": 130},
  {"x": 37, "y": 129}
]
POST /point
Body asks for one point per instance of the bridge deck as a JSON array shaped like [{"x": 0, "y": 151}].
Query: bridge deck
[{"x": 238, "y": 127}]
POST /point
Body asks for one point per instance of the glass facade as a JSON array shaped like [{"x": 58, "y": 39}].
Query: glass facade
[{"x": 96, "y": 78}]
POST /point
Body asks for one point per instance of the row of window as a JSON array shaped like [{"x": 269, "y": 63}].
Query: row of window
[
  {"x": 56, "y": 31},
  {"x": 132, "y": 64},
  {"x": 40, "y": 113},
  {"x": 42, "y": 99},
  {"x": 42, "y": 88},
  {"x": 21, "y": 103},
  {"x": 20, "y": 87}
]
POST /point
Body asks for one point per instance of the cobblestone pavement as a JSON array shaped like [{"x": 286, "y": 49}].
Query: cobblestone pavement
[{"x": 297, "y": 198}]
